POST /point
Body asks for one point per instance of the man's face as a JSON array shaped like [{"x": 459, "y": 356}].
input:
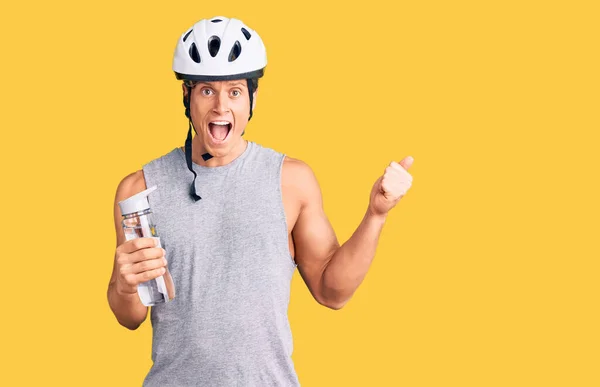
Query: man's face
[{"x": 220, "y": 112}]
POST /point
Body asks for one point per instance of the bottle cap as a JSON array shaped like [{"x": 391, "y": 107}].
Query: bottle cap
[{"x": 137, "y": 202}]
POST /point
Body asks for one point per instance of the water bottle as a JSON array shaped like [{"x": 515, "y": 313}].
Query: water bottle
[{"x": 137, "y": 223}]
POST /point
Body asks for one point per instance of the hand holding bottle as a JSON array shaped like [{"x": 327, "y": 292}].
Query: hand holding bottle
[{"x": 137, "y": 261}]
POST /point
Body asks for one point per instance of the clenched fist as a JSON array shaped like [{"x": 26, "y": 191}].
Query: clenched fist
[{"x": 391, "y": 187}]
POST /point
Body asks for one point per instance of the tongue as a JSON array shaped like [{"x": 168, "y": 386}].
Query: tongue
[{"x": 219, "y": 131}]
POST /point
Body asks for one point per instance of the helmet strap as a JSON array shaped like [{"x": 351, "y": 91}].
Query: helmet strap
[
  {"x": 188, "y": 146},
  {"x": 188, "y": 159},
  {"x": 251, "y": 92}
]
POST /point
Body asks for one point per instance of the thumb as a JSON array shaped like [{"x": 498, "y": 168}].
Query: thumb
[{"x": 407, "y": 162}]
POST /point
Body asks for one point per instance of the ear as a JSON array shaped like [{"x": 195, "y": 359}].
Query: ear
[
  {"x": 254, "y": 99},
  {"x": 185, "y": 89}
]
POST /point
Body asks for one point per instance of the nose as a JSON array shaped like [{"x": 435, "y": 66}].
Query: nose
[{"x": 221, "y": 104}]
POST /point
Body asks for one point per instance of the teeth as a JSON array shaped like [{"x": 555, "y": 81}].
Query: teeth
[{"x": 220, "y": 123}]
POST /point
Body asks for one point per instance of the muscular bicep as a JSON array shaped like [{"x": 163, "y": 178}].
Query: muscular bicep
[{"x": 314, "y": 238}]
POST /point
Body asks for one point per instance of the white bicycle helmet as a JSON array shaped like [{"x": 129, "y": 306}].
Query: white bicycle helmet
[{"x": 217, "y": 49}]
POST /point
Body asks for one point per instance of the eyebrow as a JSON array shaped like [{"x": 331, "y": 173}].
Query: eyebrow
[{"x": 230, "y": 83}]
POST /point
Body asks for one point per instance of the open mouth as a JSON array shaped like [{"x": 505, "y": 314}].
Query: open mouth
[{"x": 219, "y": 130}]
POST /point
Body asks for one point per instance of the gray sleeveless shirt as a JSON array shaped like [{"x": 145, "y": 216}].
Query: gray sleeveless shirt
[{"x": 229, "y": 258}]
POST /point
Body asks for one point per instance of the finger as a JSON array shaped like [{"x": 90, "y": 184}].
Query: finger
[
  {"x": 395, "y": 175},
  {"x": 147, "y": 254},
  {"x": 402, "y": 166},
  {"x": 136, "y": 244},
  {"x": 394, "y": 187},
  {"x": 394, "y": 169},
  {"x": 148, "y": 265},
  {"x": 148, "y": 275},
  {"x": 407, "y": 162},
  {"x": 388, "y": 188},
  {"x": 401, "y": 172},
  {"x": 395, "y": 166}
]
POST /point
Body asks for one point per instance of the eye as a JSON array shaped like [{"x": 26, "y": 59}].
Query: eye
[
  {"x": 236, "y": 93},
  {"x": 206, "y": 92}
]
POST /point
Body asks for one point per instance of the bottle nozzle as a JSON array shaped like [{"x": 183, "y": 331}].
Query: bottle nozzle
[{"x": 137, "y": 202}]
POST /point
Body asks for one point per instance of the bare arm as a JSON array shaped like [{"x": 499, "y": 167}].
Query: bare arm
[
  {"x": 349, "y": 264},
  {"x": 333, "y": 272},
  {"x": 127, "y": 307}
]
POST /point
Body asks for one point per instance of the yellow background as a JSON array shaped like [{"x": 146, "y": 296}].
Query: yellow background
[{"x": 487, "y": 271}]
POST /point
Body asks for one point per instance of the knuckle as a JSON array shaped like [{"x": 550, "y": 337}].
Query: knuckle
[
  {"x": 121, "y": 259},
  {"x": 136, "y": 244},
  {"x": 144, "y": 266},
  {"x": 130, "y": 280},
  {"x": 153, "y": 264},
  {"x": 156, "y": 253}
]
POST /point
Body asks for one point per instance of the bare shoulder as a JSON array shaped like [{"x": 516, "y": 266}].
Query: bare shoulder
[
  {"x": 300, "y": 178},
  {"x": 130, "y": 185},
  {"x": 295, "y": 165}
]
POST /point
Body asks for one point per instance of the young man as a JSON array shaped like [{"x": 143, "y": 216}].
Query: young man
[{"x": 233, "y": 239}]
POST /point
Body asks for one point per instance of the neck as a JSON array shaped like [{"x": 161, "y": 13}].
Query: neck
[{"x": 198, "y": 149}]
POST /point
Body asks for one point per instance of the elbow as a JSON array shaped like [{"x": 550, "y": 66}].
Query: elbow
[
  {"x": 128, "y": 323},
  {"x": 130, "y": 326},
  {"x": 332, "y": 294},
  {"x": 131, "y": 322},
  {"x": 332, "y": 304},
  {"x": 125, "y": 316},
  {"x": 332, "y": 298}
]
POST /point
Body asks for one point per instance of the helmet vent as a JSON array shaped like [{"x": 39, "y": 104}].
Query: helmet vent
[
  {"x": 216, "y": 20},
  {"x": 194, "y": 54},
  {"x": 214, "y": 43},
  {"x": 235, "y": 51},
  {"x": 246, "y": 33},
  {"x": 188, "y": 34}
]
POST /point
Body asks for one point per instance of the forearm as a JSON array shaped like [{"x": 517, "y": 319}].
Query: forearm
[
  {"x": 351, "y": 261},
  {"x": 127, "y": 308}
]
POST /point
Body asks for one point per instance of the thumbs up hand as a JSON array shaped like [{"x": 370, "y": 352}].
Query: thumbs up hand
[{"x": 391, "y": 187}]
